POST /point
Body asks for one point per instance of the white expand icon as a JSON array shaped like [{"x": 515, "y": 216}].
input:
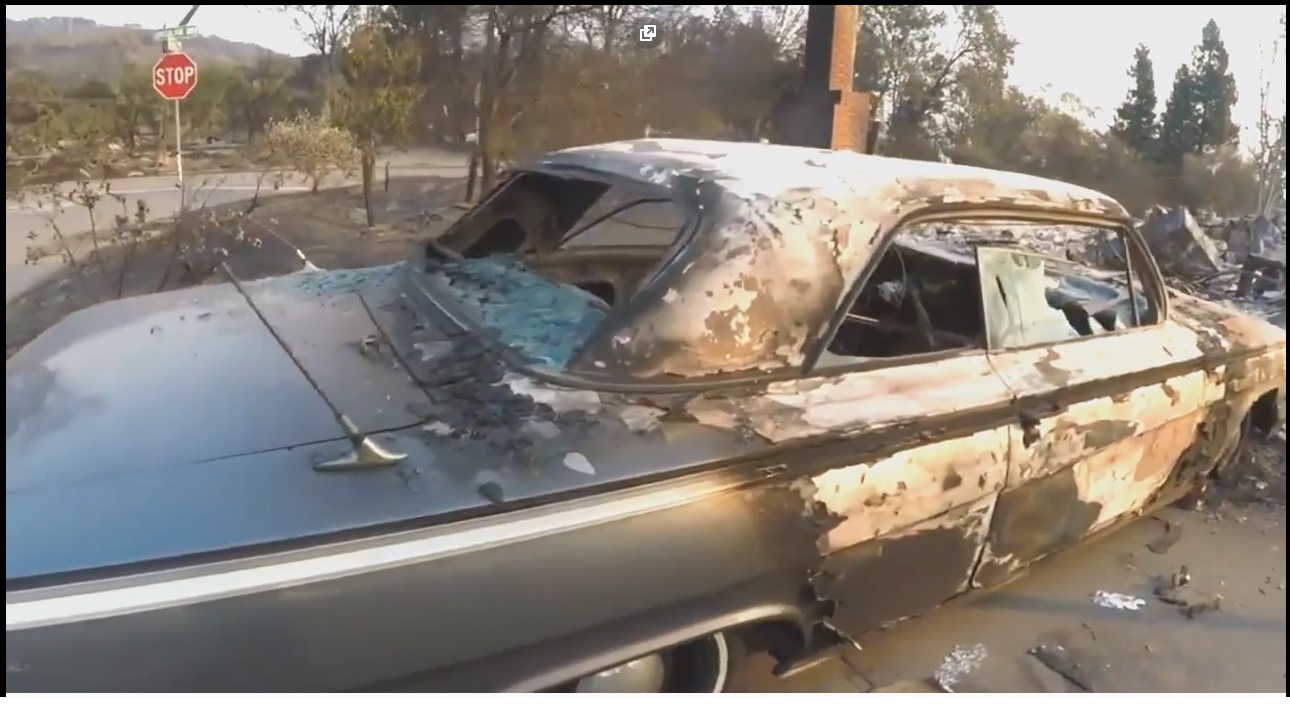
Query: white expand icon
[{"x": 648, "y": 33}]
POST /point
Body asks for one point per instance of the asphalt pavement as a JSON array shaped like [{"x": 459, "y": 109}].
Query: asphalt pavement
[{"x": 28, "y": 221}]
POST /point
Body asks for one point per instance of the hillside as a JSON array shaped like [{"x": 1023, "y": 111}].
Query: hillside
[{"x": 72, "y": 50}]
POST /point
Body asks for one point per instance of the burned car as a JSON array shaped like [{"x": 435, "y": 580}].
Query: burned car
[{"x": 648, "y": 408}]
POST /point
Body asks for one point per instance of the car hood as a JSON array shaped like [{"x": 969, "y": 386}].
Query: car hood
[
  {"x": 177, "y": 426},
  {"x": 184, "y": 377}
]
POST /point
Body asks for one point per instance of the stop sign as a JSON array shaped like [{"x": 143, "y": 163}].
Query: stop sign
[{"x": 174, "y": 76}]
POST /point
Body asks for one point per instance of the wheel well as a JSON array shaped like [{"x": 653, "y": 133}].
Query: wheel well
[
  {"x": 1265, "y": 415},
  {"x": 783, "y": 639}
]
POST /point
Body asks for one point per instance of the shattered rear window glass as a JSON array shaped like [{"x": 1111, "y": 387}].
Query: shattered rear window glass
[{"x": 543, "y": 320}]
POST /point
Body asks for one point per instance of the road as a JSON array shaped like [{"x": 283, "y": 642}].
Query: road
[
  {"x": 29, "y": 222},
  {"x": 1240, "y": 647}
]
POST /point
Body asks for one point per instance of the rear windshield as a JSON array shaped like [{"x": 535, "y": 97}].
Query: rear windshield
[
  {"x": 543, "y": 320},
  {"x": 539, "y": 316}
]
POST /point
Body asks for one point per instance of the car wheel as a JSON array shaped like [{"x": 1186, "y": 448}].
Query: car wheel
[{"x": 710, "y": 664}]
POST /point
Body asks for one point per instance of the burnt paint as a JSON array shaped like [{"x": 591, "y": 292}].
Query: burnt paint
[
  {"x": 1057, "y": 376},
  {"x": 1034, "y": 520},
  {"x": 891, "y": 578},
  {"x": 1105, "y": 433}
]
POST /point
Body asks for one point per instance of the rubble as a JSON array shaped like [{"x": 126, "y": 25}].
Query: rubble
[
  {"x": 1177, "y": 590},
  {"x": 1181, "y": 247}
]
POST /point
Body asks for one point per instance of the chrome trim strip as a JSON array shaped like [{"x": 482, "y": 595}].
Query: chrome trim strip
[{"x": 228, "y": 580}]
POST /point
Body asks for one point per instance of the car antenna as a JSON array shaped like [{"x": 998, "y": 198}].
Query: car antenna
[{"x": 365, "y": 453}]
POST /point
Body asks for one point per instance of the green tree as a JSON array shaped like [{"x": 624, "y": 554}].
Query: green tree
[
  {"x": 929, "y": 88},
  {"x": 1180, "y": 131},
  {"x": 1135, "y": 120},
  {"x": 379, "y": 92},
  {"x": 205, "y": 110},
  {"x": 1215, "y": 90},
  {"x": 136, "y": 106},
  {"x": 258, "y": 96}
]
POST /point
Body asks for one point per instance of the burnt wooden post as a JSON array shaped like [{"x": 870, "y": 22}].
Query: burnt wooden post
[{"x": 825, "y": 111}]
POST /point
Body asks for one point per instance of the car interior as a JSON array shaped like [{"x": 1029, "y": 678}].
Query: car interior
[
  {"x": 928, "y": 297},
  {"x": 921, "y": 298},
  {"x": 609, "y": 239}
]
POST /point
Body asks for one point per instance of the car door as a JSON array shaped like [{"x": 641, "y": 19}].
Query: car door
[
  {"x": 905, "y": 456},
  {"x": 1107, "y": 398},
  {"x": 910, "y": 495}
]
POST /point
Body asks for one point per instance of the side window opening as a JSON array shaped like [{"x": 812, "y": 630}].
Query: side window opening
[
  {"x": 921, "y": 298},
  {"x": 979, "y": 284}
]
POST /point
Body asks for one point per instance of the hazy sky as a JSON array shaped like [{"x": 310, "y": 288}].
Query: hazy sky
[{"x": 1079, "y": 49}]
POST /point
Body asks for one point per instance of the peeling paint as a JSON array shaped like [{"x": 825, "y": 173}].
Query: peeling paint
[
  {"x": 845, "y": 403},
  {"x": 908, "y": 487}
]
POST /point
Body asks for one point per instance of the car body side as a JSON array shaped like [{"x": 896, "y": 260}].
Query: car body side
[{"x": 860, "y": 495}]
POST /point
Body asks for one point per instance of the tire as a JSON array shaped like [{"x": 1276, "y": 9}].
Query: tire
[{"x": 712, "y": 664}]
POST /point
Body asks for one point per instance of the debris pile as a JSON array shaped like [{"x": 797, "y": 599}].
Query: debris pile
[{"x": 1240, "y": 262}]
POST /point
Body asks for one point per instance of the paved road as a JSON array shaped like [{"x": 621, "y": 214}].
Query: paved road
[
  {"x": 1240, "y": 647},
  {"x": 29, "y": 221}
]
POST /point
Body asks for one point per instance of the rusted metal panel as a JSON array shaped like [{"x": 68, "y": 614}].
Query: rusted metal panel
[
  {"x": 909, "y": 487},
  {"x": 1085, "y": 429},
  {"x": 863, "y": 401},
  {"x": 1059, "y": 508},
  {"x": 905, "y": 573},
  {"x": 1093, "y": 360},
  {"x": 1078, "y": 466}
]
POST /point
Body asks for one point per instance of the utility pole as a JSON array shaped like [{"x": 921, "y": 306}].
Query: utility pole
[{"x": 826, "y": 111}]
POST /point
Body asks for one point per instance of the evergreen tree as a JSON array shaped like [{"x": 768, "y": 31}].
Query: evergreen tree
[
  {"x": 1215, "y": 90},
  {"x": 1180, "y": 122},
  {"x": 1135, "y": 120}
]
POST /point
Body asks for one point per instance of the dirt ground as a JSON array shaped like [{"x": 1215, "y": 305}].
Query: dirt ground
[{"x": 1047, "y": 632}]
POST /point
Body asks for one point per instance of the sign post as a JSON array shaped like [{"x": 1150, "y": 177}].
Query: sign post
[{"x": 173, "y": 77}]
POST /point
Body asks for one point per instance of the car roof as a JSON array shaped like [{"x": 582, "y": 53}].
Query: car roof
[
  {"x": 787, "y": 232},
  {"x": 751, "y": 169}
]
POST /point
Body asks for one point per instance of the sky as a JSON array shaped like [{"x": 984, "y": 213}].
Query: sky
[{"x": 1083, "y": 50}]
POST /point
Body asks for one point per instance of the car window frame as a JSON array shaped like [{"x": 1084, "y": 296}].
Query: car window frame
[{"x": 1136, "y": 249}]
